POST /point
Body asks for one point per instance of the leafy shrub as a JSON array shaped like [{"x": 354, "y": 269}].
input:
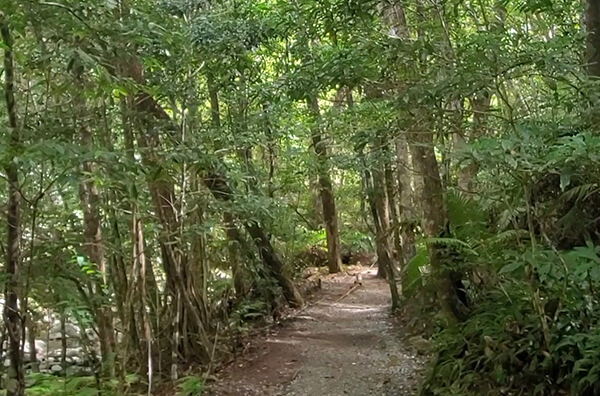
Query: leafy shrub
[
  {"x": 534, "y": 333},
  {"x": 191, "y": 386}
]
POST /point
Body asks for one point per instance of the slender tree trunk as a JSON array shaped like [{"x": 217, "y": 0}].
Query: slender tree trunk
[
  {"x": 15, "y": 381},
  {"x": 406, "y": 211},
  {"x": 31, "y": 333},
  {"x": 234, "y": 237},
  {"x": 381, "y": 218},
  {"x": 592, "y": 21},
  {"x": 94, "y": 242},
  {"x": 140, "y": 261},
  {"x": 480, "y": 106},
  {"x": 326, "y": 191},
  {"x": 394, "y": 219},
  {"x": 122, "y": 287},
  {"x": 379, "y": 247},
  {"x": 63, "y": 341}
]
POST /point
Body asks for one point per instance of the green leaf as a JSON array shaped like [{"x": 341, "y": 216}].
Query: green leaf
[
  {"x": 565, "y": 178},
  {"x": 510, "y": 267}
]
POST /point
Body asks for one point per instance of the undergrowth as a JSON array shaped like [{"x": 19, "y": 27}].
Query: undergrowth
[
  {"x": 527, "y": 337},
  {"x": 39, "y": 384},
  {"x": 532, "y": 328}
]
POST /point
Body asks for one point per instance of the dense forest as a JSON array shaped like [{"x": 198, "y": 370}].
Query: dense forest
[{"x": 169, "y": 168}]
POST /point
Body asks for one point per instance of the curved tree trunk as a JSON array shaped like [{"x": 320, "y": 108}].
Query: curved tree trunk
[
  {"x": 394, "y": 218},
  {"x": 218, "y": 186}
]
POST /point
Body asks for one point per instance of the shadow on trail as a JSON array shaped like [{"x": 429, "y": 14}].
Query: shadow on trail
[{"x": 336, "y": 346}]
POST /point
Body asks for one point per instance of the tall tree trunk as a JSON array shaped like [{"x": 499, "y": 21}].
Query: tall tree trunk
[
  {"x": 94, "y": 242},
  {"x": 435, "y": 221},
  {"x": 15, "y": 381},
  {"x": 431, "y": 192},
  {"x": 381, "y": 219},
  {"x": 63, "y": 341},
  {"x": 406, "y": 211},
  {"x": 125, "y": 310},
  {"x": 235, "y": 241},
  {"x": 31, "y": 334},
  {"x": 189, "y": 308},
  {"x": 410, "y": 184},
  {"x": 326, "y": 191},
  {"x": 592, "y": 21},
  {"x": 190, "y": 324},
  {"x": 140, "y": 283},
  {"x": 394, "y": 218},
  {"x": 152, "y": 297},
  {"x": 480, "y": 105}
]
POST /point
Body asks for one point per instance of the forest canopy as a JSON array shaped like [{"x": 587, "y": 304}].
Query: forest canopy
[{"x": 170, "y": 168}]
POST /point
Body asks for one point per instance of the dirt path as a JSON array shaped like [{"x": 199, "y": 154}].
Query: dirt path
[{"x": 334, "y": 347}]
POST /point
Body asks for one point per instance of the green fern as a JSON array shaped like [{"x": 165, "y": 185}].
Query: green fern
[
  {"x": 504, "y": 237},
  {"x": 412, "y": 271},
  {"x": 467, "y": 218},
  {"x": 191, "y": 386},
  {"x": 452, "y": 242},
  {"x": 580, "y": 192}
]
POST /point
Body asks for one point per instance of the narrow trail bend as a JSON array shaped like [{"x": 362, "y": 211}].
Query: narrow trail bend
[{"x": 334, "y": 347}]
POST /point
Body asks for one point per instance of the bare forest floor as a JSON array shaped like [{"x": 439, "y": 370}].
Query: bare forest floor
[{"x": 341, "y": 344}]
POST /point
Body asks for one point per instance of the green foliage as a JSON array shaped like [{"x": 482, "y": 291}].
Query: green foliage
[
  {"x": 46, "y": 384},
  {"x": 247, "y": 312},
  {"x": 191, "y": 386},
  {"x": 413, "y": 272},
  {"x": 357, "y": 241},
  {"x": 530, "y": 330},
  {"x": 171, "y": 90}
]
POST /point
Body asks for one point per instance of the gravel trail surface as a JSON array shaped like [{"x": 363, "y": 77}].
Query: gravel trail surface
[{"x": 342, "y": 344}]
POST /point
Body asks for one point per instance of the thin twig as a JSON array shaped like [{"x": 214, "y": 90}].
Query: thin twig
[{"x": 348, "y": 292}]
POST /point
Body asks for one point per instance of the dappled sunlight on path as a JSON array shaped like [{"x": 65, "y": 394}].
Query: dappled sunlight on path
[{"x": 343, "y": 344}]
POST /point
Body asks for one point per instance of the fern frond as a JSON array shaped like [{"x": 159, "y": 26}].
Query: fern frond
[
  {"x": 579, "y": 193},
  {"x": 506, "y": 236},
  {"x": 453, "y": 242},
  {"x": 467, "y": 219}
]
